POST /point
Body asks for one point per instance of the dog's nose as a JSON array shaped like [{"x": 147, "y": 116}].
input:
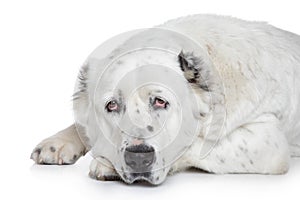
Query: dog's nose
[{"x": 139, "y": 157}]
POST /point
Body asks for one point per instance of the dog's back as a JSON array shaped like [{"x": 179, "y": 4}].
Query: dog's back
[{"x": 259, "y": 64}]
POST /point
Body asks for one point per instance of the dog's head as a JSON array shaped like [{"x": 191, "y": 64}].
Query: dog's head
[{"x": 143, "y": 111}]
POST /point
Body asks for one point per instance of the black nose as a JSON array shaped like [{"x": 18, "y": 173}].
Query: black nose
[{"x": 139, "y": 157}]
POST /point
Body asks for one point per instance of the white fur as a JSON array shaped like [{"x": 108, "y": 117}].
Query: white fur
[
  {"x": 258, "y": 69},
  {"x": 65, "y": 147}
]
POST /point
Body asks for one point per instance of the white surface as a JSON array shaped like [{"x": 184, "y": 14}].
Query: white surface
[{"x": 42, "y": 45}]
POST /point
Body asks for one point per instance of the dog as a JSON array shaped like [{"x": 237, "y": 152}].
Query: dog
[{"x": 210, "y": 92}]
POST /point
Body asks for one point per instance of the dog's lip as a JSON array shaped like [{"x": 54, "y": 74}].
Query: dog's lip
[{"x": 132, "y": 177}]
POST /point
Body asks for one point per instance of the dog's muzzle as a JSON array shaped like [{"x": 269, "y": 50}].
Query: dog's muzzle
[{"x": 139, "y": 158}]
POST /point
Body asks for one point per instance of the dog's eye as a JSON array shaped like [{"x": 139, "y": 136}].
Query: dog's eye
[
  {"x": 159, "y": 103},
  {"x": 112, "y": 106}
]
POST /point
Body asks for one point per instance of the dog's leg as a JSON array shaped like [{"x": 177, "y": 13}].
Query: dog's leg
[
  {"x": 65, "y": 147},
  {"x": 101, "y": 169},
  {"x": 257, "y": 147}
]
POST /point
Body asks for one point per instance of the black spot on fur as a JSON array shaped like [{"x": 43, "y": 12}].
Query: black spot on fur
[
  {"x": 241, "y": 148},
  {"x": 251, "y": 162},
  {"x": 52, "y": 149},
  {"x": 150, "y": 128},
  {"x": 75, "y": 157},
  {"x": 202, "y": 114}
]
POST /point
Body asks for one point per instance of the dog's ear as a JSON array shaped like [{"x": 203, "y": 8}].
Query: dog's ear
[
  {"x": 81, "y": 84},
  {"x": 195, "y": 70},
  {"x": 80, "y": 96}
]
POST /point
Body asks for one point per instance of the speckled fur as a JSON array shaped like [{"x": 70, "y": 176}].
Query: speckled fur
[{"x": 259, "y": 67}]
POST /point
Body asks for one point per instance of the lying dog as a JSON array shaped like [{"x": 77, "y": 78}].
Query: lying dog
[{"x": 210, "y": 92}]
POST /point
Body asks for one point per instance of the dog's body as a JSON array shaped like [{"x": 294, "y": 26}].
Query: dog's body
[{"x": 252, "y": 71}]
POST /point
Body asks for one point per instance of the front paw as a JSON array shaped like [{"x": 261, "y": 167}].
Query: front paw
[
  {"x": 101, "y": 169},
  {"x": 56, "y": 150}
]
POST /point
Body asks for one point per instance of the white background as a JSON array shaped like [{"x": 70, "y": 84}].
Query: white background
[{"x": 43, "y": 44}]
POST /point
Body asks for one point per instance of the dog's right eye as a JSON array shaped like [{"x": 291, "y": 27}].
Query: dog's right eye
[
  {"x": 112, "y": 106},
  {"x": 160, "y": 103}
]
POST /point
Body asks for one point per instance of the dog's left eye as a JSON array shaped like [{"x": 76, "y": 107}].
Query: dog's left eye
[
  {"x": 159, "y": 103},
  {"x": 112, "y": 106}
]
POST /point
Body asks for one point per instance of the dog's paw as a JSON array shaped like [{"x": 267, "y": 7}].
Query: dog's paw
[
  {"x": 101, "y": 169},
  {"x": 57, "y": 151}
]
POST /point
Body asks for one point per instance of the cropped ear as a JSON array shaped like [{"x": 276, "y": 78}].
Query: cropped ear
[{"x": 195, "y": 70}]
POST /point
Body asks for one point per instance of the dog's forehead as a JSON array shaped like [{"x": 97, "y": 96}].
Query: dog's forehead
[{"x": 136, "y": 65}]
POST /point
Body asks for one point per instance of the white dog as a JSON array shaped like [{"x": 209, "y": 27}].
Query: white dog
[{"x": 210, "y": 92}]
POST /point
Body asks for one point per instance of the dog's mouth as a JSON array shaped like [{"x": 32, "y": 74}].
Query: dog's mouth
[
  {"x": 155, "y": 177},
  {"x": 138, "y": 177}
]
